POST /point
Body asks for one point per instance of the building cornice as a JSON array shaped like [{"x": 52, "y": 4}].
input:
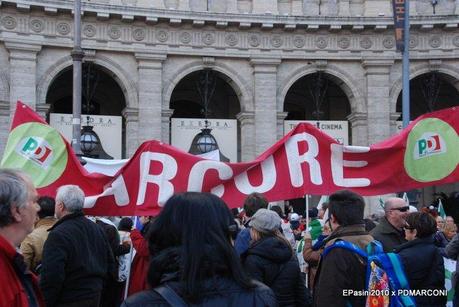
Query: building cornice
[{"x": 153, "y": 15}]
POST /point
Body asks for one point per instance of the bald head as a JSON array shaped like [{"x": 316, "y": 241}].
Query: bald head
[{"x": 396, "y": 210}]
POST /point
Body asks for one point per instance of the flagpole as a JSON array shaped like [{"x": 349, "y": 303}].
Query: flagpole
[
  {"x": 307, "y": 212},
  {"x": 406, "y": 66}
]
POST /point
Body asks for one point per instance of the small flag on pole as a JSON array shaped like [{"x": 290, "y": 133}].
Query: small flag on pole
[
  {"x": 405, "y": 198},
  {"x": 381, "y": 202},
  {"x": 323, "y": 199},
  {"x": 441, "y": 210}
]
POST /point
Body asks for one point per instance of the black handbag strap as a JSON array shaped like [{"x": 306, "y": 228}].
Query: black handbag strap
[{"x": 170, "y": 296}]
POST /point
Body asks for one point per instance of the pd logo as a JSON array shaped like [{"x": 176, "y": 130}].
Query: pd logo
[
  {"x": 36, "y": 149},
  {"x": 429, "y": 144}
]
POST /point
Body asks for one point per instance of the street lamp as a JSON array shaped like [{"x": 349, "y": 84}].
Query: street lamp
[
  {"x": 205, "y": 141},
  {"x": 77, "y": 57}
]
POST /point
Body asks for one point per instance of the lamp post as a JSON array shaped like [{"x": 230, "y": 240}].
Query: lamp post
[{"x": 77, "y": 57}]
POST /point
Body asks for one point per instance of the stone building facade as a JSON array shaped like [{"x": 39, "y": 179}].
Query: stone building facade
[{"x": 260, "y": 47}]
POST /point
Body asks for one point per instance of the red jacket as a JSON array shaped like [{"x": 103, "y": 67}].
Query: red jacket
[
  {"x": 12, "y": 292},
  {"x": 140, "y": 264}
]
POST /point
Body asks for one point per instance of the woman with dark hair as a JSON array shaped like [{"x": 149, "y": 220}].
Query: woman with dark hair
[
  {"x": 421, "y": 258},
  {"x": 271, "y": 260},
  {"x": 193, "y": 260}
]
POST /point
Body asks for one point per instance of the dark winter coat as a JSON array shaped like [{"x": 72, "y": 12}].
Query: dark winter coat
[
  {"x": 272, "y": 261},
  {"x": 452, "y": 252},
  {"x": 217, "y": 291},
  {"x": 342, "y": 269},
  {"x": 76, "y": 261},
  {"x": 424, "y": 269},
  {"x": 388, "y": 235}
]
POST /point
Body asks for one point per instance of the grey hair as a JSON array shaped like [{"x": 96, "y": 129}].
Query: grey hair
[
  {"x": 13, "y": 193},
  {"x": 71, "y": 196}
]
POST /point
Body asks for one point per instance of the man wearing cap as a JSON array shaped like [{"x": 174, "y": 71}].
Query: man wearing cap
[{"x": 389, "y": 231}]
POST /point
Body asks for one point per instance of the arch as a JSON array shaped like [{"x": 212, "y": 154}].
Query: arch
[
  {"x": 231, "y": 77},
  {"x": 448, "y": 70},
  {"x": 342, "y": 79},
  {"x": 113, "y": 69}
]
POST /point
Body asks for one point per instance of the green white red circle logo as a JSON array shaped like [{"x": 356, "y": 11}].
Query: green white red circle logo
[
  {"x": 432, "y": 151},
  {"x": 37, "y": 149}
]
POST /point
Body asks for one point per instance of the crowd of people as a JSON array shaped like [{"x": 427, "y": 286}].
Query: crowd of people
[{"x": 198, "y": 252}]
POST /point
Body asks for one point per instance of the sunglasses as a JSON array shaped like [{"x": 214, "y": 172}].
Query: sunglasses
[{"x": 402, "y": 209}]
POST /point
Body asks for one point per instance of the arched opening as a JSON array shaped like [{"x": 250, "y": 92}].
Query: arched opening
[
  {"x": 206, "y": 94},
  {"x": 102, "y": 98},
  {"x": 430, "y": 92},
  {"x": 318, "y": 99}
]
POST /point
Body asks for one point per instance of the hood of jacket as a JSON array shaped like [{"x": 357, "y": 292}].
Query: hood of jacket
[{"x": 271, "y": 248}]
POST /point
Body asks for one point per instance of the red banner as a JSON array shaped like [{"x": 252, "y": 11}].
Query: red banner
[{"x": 306, "y": 161}]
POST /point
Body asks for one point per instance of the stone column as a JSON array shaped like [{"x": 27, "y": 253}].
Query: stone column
[
  {"x": 231, "y": 6},
  {"x": 280, "y": 124},
  {"x": 265, "y": 6},
  {"x": 246, "y": 123},
  {"x": 166, "y": 125},
  {"x": 377, "y": 73},
  {"x": 42, "y": 109},
  {"x": 184, "y": 5},
  {"x": 23, "y": 64},
  {"x": 4, "y": 125},
  {"x": 265, "y": 93},
  {"x": 131, "y": 118},
  {"x": 150, "y": 85},
  {"x": 344, "y": 8},
  {"x": 359, "y": 124}
]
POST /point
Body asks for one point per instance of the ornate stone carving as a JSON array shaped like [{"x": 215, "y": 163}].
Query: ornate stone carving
[
  {"x": 414, "y": 41},
  {"x": 276, "y": 41},
  {"x": 185, "y": 37},
  {"x": 435, "y": 41},
  {"x": 138, "y": 34},
  {"x": 37, "y": 25},
  {"x": 114, "y": 32},
  {"x": 366, "y": 43},
  {"x": 162, "y": 36},
  {"x": 344, "y": 42},
  {"x": 254, "y": 40},
  {"x": 321, "y": 42},
  {"x": 298, "y": 41},
  {"x": 208, "y": 38},
  {"x": 63, "y": 28},
  {"x": 231, "y": 39},
  {"x": 9, "y": 22},
  {"x": 456, "y": 40},
  {"x": 388, "y": 42},
  {"x": 89, "y": 30}
]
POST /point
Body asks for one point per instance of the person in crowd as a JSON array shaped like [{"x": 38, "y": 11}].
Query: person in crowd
[
  {"x": 452, "y": 252},
  {"x": 77, "y": 258},
  {"x": 312, "y": 249},
  {"x": 440, "y": 223},
  {"x": 271, "y": 260},
  {"x": 389, "y": 231},
  {"x": 285, "y": 225},
  {"x": 315, "y": 227},
  {"x": 295, "y": 223},
  {"x": 18, "y": 213},
  {"x": 252, "y": 204},
  {"x": 343, "y": 269},
  {"x": 112, "y": 291},
  {"x": 449, "y": 220},
  {"x": 141, "y": 261},
  {"x": 322, "y": 208},
  {"x": 193, "y": 260},
  {"x": 124, "y": 230},
  {"x": 32, "y": 246},
  {"x": 426, "y": 272}
]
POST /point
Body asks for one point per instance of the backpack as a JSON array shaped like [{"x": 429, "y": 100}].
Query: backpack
[{"x": 385, "y": 277}]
